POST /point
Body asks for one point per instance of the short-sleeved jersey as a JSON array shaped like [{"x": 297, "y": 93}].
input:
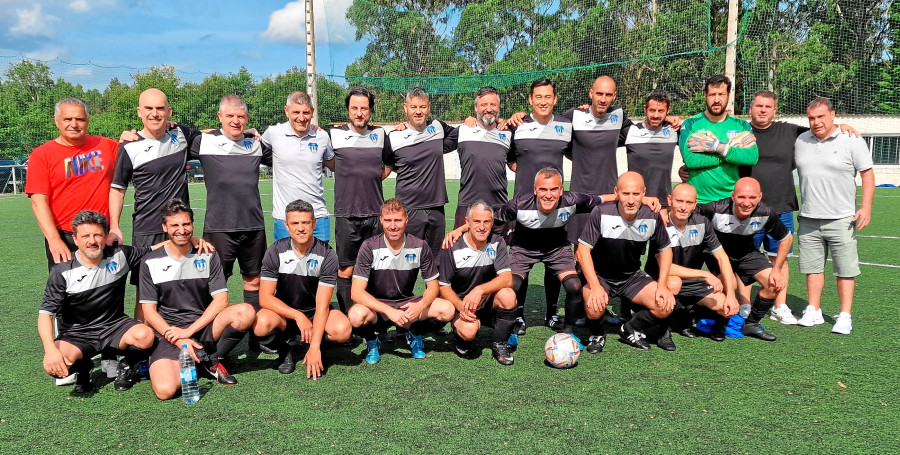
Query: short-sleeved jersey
[
  {"x": 537, "y": 231},
  {"x": 156, "y": 168},
  {"x": 73, "y": 178},
  {"x": 463, "y": 267},
  {"x": 616, "y": 244},
  {"x": 827, "y": 170},
  {"x": 736, "y": 235},
  {"x": 535, "y": 146},
  {"x": 86, "y": 299},
  {"x": 482, "y": 159},
  {"x": 594, "y": 143},
  {"x": 776, "y": 165},
  {"x": 297, "y": 167},
  {"x": 357, "y": 170},
  {"x": 298, "y": 277},
  {"x": 690, "y": 247},
  {"x": 712, "y": 175},
  {"x": 650, "y": 154},
  {"x": 418, "y": 159},
  {"x": 392, "y": 277},
  {"x": 180, "y": 289},
  {"x": 231, "y": 175}
]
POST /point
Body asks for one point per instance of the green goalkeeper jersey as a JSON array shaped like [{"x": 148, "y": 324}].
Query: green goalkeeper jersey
[{"x": 712, "y": 174}]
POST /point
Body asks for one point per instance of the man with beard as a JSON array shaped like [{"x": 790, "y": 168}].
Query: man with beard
[{"x": 650, "y": 146}]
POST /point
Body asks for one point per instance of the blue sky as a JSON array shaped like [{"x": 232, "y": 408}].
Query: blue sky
[{"x": 194, "y": 36}]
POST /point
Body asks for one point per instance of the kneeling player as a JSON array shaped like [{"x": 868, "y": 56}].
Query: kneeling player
[
  {"x": 383, "y": 283},
  {"x": 185, "y": 299},
  {"x": 609, "y": 252},
  {"x": 87, "y": 293},
  {"x": 736, "y": 221},
  {"x": 692, "y": 238},
  {"x": 477, "y": 280},
  {"x": 298, "y": 278}
]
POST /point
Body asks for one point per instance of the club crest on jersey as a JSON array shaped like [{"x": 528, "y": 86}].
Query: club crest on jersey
[
  {"x": 564, "y": 216},
  {"x": 411, "y": 257},
  {"x": 666, "y": 132},
  {"x": 502, "y": 136},
  {"x": 755, "y": 225},
  {"x": 174, "y": 139},
  {"x": 248, "y": 145},
  {"x": 559, "y": 129},
  {"x": 373, "y": 137},
  {"x": 693, "y": 234},
  {"x": 312, "y": 264},
  {"x": 614, "y": 118},
  {"x": 200, "y": 264},
  {"x": 112, "y": 267},
  {"x": 491, "y": 253},
  {"x": 642, "y": 229},
  {"x": 313, "y": 147},
  {"x": 732, "y": 134},
  {"x": 430, "y": 130}
]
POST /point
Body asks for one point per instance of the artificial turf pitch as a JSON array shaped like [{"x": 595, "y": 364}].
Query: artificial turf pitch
[{"x": 809, "y": 392}]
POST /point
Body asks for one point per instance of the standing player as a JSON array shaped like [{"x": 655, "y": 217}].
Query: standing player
[
  {"x": 358, "y": 195},
  {"x": 736, "y": 221},
  {"x": 417, "y": 154},
  {"x": 299, "y": 275},
  {"x": 650, "y": 146},
  {"x": 714, "y": 144},
  {"x": 609, "y": 253},
  {"x": 185, "y": 300},
  {"x": 476, "y": 278},
  {"x": 300, "y": 150},
  {"x": 383, "y": 283},
  {"x": 692, "y": 238},
  {"x": 88, "y": 293}
]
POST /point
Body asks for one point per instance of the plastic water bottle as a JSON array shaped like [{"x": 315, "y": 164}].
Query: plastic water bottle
[{"x": 190, "y": 392}]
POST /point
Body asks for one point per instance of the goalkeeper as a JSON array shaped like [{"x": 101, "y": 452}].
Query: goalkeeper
[{"x": 714, "y": 144}]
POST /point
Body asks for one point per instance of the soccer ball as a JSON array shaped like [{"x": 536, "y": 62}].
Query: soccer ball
[{"x": 562, "y": 350}]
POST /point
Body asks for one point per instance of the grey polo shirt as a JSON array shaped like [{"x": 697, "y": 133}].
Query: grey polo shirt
[
  {"x": 297, "y": 167},
  {"x": 827, "y": 171}
]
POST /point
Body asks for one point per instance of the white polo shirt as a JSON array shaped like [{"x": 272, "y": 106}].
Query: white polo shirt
[
  {"x": 827, "y": 171},
  {"x": 297, "y": 167}
]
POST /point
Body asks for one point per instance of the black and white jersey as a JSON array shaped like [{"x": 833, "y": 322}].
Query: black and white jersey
[
  {"x": 735, "y": 235},
  {"x": 690, "y": 247},
  {"x": 86, "y": 299},
  {"x": 482, "y": 160},
  {"x": 298, "y": 277},
  {"x": 418, "y": 159},
  {"x": 650, "y": 153},
  {"x": 357, "y": 170},
  {"x": 535, "y": 146},
  {"x": 463, "y": 267},
  {"x": 231, "y": 175},
  {"x": 392, "y": 277},
  {"x": 156, "y": 167},
  {"x": 594, "y": 143},
  {"x": 537, "y": 231},
  {"x": 180, "y": 289},
  {"x": 616, "y": 244}
]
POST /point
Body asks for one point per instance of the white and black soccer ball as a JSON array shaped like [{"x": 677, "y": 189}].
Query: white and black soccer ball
[{"x": 562, "y": 350}]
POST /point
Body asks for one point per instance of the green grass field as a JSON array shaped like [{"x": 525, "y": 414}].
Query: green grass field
[{"x": 809, "y": 392}]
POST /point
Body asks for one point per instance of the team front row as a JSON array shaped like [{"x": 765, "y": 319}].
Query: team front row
[{"x": 473, "y": 281}]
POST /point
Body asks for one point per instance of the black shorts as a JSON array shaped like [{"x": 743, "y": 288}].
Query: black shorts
[
  {"x": 693, "y": 291},
  {"x": 108, "y": 339},
  {"x": 166, "y": 350},
  {"x": 746, "y": 267},
  {"x": 291, "y": 329},
  {"x": 247, "y": 247},
  {"x": 628, "y": 288},
  {"x": 144, "y": 240},
  {"x": 557, "y": 260},
  {"x": 350, "y": 232},
  {"x": 429, "y": 225},
  {"x": 384, "y": 321},
  {"x": 66, "y": 237}
]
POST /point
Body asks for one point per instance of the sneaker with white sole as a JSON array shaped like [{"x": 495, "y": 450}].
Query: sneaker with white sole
[
  {"x": 783, "y": 315},
  {"x": 811, "y": 316},
  {"x": 110, "y": 367},
  {"x": 68, "y": 380},
  {"x": 842, "y": 324}
]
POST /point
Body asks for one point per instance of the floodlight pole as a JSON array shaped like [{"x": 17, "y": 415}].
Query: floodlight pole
[
  {"x": 731, "y": 49},
  {"x": 311, "y": 87}
]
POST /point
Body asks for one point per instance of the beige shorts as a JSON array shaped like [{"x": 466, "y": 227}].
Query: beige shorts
[{"x": 819, "y": 237}]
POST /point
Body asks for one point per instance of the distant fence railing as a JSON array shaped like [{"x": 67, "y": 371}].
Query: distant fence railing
[{"x": 12, "y": 178}]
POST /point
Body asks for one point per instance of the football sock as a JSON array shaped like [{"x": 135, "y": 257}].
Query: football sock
[
  {"x": 367, "y": 332},
  {"x": 597, "y": 327},
  {"x": 229, "y": 339},
  {"x": 520, "y": 286},
  {"x": 503, "y": 324},
  {"x": 343, "y": 294},
  {"x": 574, "y": 299},
  {"x": 134, "y": 354},
  {"x": 271, "y": 340},
  {"x": 421, "y": 327},
  {"x": 551, "y": 293},
  {"x": 642, "y": 321},
  {"x": 759, "y": 309}
]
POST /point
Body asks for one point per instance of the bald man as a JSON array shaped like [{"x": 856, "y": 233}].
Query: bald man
[
  {"x": 736, "y": 221},
  {"x": 609, "y": 252}
]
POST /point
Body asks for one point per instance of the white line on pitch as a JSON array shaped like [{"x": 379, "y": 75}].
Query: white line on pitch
[
  {"x": 891, "y": 237},
  {"x": 889, "y": 266}
]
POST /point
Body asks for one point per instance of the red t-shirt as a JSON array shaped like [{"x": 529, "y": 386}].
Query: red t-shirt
[{"x": 73, "y": 178}]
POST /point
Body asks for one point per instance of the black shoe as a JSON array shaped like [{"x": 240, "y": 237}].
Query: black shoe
[
  {"x": 595, "y": 344},
  {"x": 254, "y": 346},
  {"x": 83, "y": 382},
  {"x": 355, "y": 340},
  {"x": 221, "y": 374},
  {"x": 288, "y": 359},
  {"x": 555, "y": 323},
  {"x": 688, "y": 332},
  {"x": 665, "y": 341},
  {"x": 126, "y": 376},
  {"x": 500, "y": 351},
  {"x": 519, "y": 327},
  {"x": 756, "y": 330},
  {"x": 463, "y": 348},
  {"x": 634, "y": 339}
]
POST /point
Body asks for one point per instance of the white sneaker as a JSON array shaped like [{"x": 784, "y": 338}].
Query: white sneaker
[
  {"x": 68, "y": 380},
  {"x": 110, "y": 367},
  {"x": 811, "y": 316},
  {"x": 842, "y": 324},
  {"x": 783, "y": 315}
]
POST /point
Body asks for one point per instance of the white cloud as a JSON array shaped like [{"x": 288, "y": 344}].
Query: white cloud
[
  {"x": 84, "y": 6},
  {"x": 80, "y": 71},
  {"x": 288, "y": 25},
  {"x": 33, "y": 22},
  {"x": 79, "y": 6}
]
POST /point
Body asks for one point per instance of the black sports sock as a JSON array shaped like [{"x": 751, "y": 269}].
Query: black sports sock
[
  {"x": 552, "y": 287},
  {"x": 252, "y": 297},
  {"x": 642, "y": 321},
  {"x": 229, "y": 339},
  {"x": 272, "y": 340},
  {"x": 574, "y": 299},
  {"x": 503, "y": 324},
  {"x": 343, "y": 294},
  {"x": 759, "y": 309},
  {"x": 134, "y": 354},
  {"x": 597, "y": 327},
  {"x": 520, "y": 286},
  {"x": 367, "y": 332},
  {"x": 420, "y": 327}
]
